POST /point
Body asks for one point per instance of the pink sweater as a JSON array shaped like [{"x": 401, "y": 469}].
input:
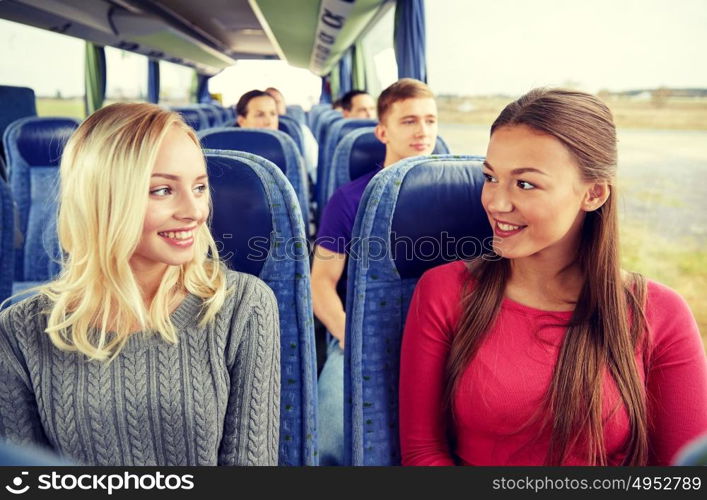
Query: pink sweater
[{"x": 502, "y": 388}]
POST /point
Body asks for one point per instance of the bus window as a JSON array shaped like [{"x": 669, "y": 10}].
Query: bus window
[
  {"x": 175, "y": 84},
  {"x": 55, "y": 72},
  {"x": 126, "y": 76},
  {"x": 298, "y": 86},
  {"x": 379, "y": 55}
]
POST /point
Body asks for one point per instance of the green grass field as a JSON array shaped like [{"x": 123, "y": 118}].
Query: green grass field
[{"x": 681, "y": 265}]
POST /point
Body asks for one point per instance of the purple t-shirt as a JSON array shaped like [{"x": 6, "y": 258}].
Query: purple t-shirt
[{"x": 338, "y": 220}]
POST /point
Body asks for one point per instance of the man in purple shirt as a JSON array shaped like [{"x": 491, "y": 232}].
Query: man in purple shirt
[{"x": 407, "y": 116}]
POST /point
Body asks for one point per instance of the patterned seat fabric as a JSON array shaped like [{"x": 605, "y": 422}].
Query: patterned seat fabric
[
  {"x": 34, "y": 147},
  {"x": 257, "y": 226},
  {"x": 414, "y": 215},
  {"x": 272, "y": 145},
  {"x": 7, "y": 236},
  {"x": 195, "y": 117}
]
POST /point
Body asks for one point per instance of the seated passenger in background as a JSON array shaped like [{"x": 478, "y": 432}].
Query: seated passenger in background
[
  {"x": 408, "y": 127},
  {"x": 545, "y": 352},
  {"x": 145, "y": 350},
  {"x": 279, "y": 100},
  {"x": 257, "y": 109},
  {"x": 358, "y": 104},
  {"x": 336, "y": 105}
]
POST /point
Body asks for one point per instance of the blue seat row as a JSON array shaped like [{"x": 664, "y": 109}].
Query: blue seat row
[{"x": 203, "y": 116}]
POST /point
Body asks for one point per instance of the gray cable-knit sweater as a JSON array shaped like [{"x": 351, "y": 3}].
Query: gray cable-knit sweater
[{"x": 213, "y": 398}]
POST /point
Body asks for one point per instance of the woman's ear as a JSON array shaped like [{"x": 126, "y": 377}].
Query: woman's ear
[
  {"x": 240, "y": 120},
  {"x": 596, "y": 196}
]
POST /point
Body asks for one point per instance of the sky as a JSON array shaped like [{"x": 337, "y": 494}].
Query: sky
[
  {"x": 490, "y": 47},
  {"x": 510, "y": 46}
]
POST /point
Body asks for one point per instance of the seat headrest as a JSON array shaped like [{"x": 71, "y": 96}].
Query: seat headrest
[
  {"x": 41, "y": 141},
  {"x": 242, "y": 218},
  {"x": 265, "y": 143},
  {"x": 366, "y": 153},
  {"x": 17, "y": 102},
  {"x": 438, "y": 216},
  {"x": 192, "y": 116}
]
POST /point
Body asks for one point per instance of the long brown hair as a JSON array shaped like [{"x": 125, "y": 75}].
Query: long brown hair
[{"x": 607, "y": 326}]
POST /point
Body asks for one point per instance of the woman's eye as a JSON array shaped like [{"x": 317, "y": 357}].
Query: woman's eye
[
  {"x": 163, "y": 191},
  {"x": 489, "y": 178},
  {"x": 525, "y": 185},
  {"x": 201, "y": 188}
]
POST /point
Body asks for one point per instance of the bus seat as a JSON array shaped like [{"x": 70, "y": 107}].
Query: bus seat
[
  {"x": 292, "y": 128},
  {"x": 195, "y": 117},
  {"x": 337, "y": 131},
  {"x": 302, "y": 136},
  {"x": 213, "y": 116},
  {"x": 226, "y": 120},
  {"x": 28, "y": 455},
  {"x": 323, "y": 122},
  {"x": 7, "y": 238},
  {"x": 273, "y": 145},
  {"x": 441, "y": 147},
  {"x": 296, "y": 112},
  {"x": 358, "y": 153},
  {"x": 15, "y": 103},
  {"x": 34, "y": 146},
  {"x": 258, "y": 229},
  {"x": 314, "y": 112},
  {"x": 693, "y": 453},
  {"x": 435, "y": 202}
]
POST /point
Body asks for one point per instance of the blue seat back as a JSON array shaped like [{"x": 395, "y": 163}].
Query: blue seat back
[
  {"x": 34, "y": 147},
  {"x": 213, "y": 115},
  {"x": 15, "y": 103},
  {"x": 7, "y": 238},
  {"x": 292, "y": 127},
  {"x": 414, "y": 215},
  {"x": 358, "y": 153},
  {"x": 226, "y": 120},
  {"x": 296, "y": 112},
  {"x": 337, "y": 131},
  {"x": 321, "y": 127},
  {"x": 314, "y": 112},
  {"x": 194, "y": 116},
  {"x": 302, "y": 136},
  {"x": 272, "y": 145},
  {"x": 259, "y": 231}
]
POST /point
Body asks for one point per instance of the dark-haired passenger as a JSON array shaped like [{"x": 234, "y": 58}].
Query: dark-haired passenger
[
  {"x": 257, "y": 109},
  {"x": 547, "y": 352},
  {"x": 358, "y": 104},
  {"x": 408, "y": 127}
]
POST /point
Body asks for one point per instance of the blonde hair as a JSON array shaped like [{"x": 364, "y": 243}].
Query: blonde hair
[{"x": 105, "y": 169}]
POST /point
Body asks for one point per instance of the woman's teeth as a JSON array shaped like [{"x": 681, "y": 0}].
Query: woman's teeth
[
  {"x": 177, "y": 235},
  {"x": 507, "y": 227}
]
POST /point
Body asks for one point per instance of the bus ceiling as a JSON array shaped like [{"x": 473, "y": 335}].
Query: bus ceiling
[{"x": 210, "y": 35}]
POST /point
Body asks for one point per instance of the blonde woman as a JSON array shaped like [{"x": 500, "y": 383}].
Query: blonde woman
[{"x": 144, "y": 350}]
